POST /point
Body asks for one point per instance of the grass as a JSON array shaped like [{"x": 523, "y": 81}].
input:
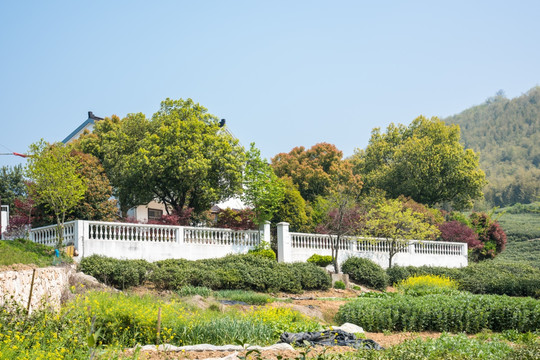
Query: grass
[
  {"x": 20, "y": 251},
  {"x": 249, "y": 297}
]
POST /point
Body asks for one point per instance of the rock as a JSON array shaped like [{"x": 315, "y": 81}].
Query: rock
[
  {"x": 233, "y": 356},
  {"x": 350, "y": 328}
]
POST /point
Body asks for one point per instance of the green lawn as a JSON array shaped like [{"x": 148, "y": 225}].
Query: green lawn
[{"x": 21, "y": 251}]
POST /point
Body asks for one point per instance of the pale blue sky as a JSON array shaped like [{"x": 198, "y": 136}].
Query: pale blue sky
[{"x": 283, "y": 73}]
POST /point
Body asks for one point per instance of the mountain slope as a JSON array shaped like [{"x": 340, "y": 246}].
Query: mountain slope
[{"x": 506, "y": 133}]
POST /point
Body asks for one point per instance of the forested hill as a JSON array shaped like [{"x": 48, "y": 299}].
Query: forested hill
[{"x": 506, "y": 133}]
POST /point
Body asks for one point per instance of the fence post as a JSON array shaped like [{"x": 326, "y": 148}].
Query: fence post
[
  {"x": 179, "y": 234},
  {"x": 264, "y": 229},
  {"x": 284, "y": 242}
]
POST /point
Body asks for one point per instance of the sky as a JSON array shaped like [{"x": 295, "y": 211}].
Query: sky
[{"x": 282, "y": 73}]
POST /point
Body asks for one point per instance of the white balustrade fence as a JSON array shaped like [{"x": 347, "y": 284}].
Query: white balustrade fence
[
  {"x": 158, "y": 242},
  {"x": 299, "y": 247},
  {"x": 151, "y": 242}
]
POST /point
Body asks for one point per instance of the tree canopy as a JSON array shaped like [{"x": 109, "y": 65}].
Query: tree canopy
[
  {"x": 55, "y": 180},
  {"x": 181, "y": 157},
  {"x": 393, "y": 221},
  {"x": 311, "y": 170},
  {"x": 12, "y": 184},
  {"x": 423, "y": 161}
]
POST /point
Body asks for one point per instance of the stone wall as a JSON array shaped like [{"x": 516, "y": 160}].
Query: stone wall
[{"x": 50, "y": 285}]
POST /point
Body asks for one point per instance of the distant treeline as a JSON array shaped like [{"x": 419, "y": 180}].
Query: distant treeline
[{"x": 506, "y": 133}]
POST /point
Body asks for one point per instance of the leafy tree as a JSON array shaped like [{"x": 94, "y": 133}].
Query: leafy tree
[
  {"x": 12, "y": 184},
  {"x": 343, "y": 216},
  {"x": 96, "y": 203},
  {"x": 236, "y": 219},
  {"x": 263, "y": 190},
  {"x": 423, "y": 161},
  {"x": 492, "y": 237},
  {"x": 292, "y": 208},
  {"x": 311, "y": 170},
  {"x": 392, "y": 221},
  {"x": 455, "y": 231},
  {"x": 181, "y": 157},
  {"x": 56, "y": 182}
]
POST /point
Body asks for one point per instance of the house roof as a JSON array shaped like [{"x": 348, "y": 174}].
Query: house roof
[{"x": 90, "y": 121}]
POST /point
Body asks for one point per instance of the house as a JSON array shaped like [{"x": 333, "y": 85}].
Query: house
[
  {"x": 154, "y": 210},
  {"x": 86, "y": 125}
]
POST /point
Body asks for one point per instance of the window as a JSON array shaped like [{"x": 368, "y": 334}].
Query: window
[{"x": 155, "y": 214}]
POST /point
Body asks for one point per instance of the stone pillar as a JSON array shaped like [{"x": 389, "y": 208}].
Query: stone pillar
[
  {"x": 179, "y": 235},
  {"x": 284, "y": 242},
  {"x": 264, "y": 229}
]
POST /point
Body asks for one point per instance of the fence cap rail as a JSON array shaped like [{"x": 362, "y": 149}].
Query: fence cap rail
[{"x": 365, "y": 239}]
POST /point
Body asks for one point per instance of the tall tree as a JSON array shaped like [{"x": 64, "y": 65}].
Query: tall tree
[
  {"x": 263, "y": 190},
  {"x": 398, "y": 224},
  {"x": 56, "y": 182},
  {"x": 311, "y": 170},
  {"x": 424, "y": 161},
  {"x": 12, "y": 185},
  {"x": 343, "y": 216},
  {"x": 181, "y": 157}
]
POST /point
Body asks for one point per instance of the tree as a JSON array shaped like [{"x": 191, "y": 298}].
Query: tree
[
  {"x": 263, "y": 190},
  {"x": 424, "y": 161},
  {"x": 96, "y": 203},
  {"x": 343, "y": 216},
  {"x": 292, "y": 208},
  {"x": 492, "y": 237},
  {"x": 12, "y": 185},
  {"x": 397, "y": 224},
  {"x": 181, "y": 157},
  {"x": 311, "y": 170},
  {"x": 56, "y": 182}
]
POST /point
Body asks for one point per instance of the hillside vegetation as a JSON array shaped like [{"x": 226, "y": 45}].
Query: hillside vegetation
[{"x": 506, "y": 133}]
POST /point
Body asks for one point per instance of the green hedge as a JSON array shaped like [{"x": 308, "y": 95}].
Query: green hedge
[
  {"x": 457, "y": 313},
  {"x": 365, "y": 272},
  {"x": 121, "y": 274},
  {"x": 487, "y": 277},
  {"x": 243, "y": 272}
]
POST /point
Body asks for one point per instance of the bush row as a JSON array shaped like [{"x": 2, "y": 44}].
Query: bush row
[
  {"x": 487, "y": 277},
  {"x": 457, "y": 313},
  {"x": 245, "y": 272}
]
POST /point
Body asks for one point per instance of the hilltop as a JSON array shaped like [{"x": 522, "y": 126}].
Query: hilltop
[{"x": 506, "y": 134}]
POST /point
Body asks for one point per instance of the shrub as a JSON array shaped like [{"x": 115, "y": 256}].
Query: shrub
[
  {"x": 398, "y": 273},
  {"x": 243, "y": 272},
  {"x": 455, "y": 231},
  {"x": 427, "y": 284},
  {"x": 339, "y": 285},
  {"x": 320, "y": 260},
  {"x": 267, "y": 253},
  {"x": 453, "y": 313},
  {"x": 311, "y": 276},
  {"x": 121, "y": 274},
  {"x": 365, "y": 272}
]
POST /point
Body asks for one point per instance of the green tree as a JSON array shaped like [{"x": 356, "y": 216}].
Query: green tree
[
  {"x": 397, "y": 224},
  {"x": 97, "y": 202},
  {"x": 311, "y": 170},
  {"x": 263, "y": 190},
  {"x": 292, "y": 208},
  {"x": 343, "y": 216},
  {"x": 423, "y": 161},
  {"x": 181, "y": 157},
  {"x": 56, "y": 182},
  {"x": 12, "y": 184}
]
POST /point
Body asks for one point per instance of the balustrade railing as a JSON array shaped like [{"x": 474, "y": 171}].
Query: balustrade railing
[
  {"x": 360, "y": 244},
  {"x": 98, "y": 230},
  {"x": 213, "y": 236},
  {"x": 47, "y": 235}
]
